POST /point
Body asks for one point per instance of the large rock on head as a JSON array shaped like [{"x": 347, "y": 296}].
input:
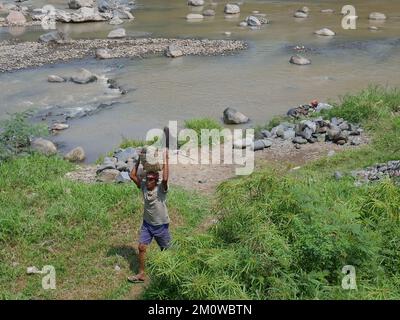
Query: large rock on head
[
  {"x": 77, "y": 4},
  {"x": 16, "y": 18},
  {"x": 299, "y": 60},
  {"x": 231, "y": 8},
  {"x": 232, "y": 116},
  {"x": 83, "y": 77},
  {"x": 76, "y": 155},
  {"x": 44, "y": 146}
]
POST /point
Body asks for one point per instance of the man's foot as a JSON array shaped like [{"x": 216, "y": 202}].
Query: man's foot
[{"x": 139, "y": 278}]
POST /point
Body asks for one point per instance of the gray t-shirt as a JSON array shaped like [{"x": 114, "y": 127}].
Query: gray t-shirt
[{"x": 155, "y": 208}]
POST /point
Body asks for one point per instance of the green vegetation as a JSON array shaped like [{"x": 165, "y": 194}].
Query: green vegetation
[
  {"x": 15, "y": 134},
  {"x": 281, "y": 234},
  {"x": 287, "y": 235},
  {"x": 199, "y": 124}
]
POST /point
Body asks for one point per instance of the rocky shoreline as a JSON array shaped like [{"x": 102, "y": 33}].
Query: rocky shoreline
[{"x": 21, "y": 55}]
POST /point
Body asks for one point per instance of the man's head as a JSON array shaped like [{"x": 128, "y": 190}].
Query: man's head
[
  {"x": 314, "y": 103},
  {"x": 151, "y": 180}
]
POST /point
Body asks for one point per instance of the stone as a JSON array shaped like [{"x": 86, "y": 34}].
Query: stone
[
  {"x": 300, "y": 14},
  {"x": 299, "y": 60},
  {"x": 117, "y": 33},
  {"x": 355, "y": 141},
  {"x": 104, "y": 5},
  {"x": 123, "y": 177},
  {"x": 44, "y": 146},
  {"x": 325, "y": 32},
  {"x": 258, "y": 145},
  {"x": 231, "y": 8},
  {"x": 373, "y": 28},
  {"x": 209, "y": 13},
  {"x": 173, "y": 51},
  {"x": 232, "y": 116},
  {"x": 108, "y": 175},
  {"x": 267, "y": 143},
  {"x": 323, "y": 106},
  {"x": 116, "y": 20},
  {"x": 304, "y": 9},
  {"x": 299, "y": 140},
  {"x": 321, "y": 137},
  {"x": 194, "y": 16},
  {"x": 59, "y": 126},
  {"x": 121, "y": 166},
  {"x": 243, "y": 24},
  {"x": 306, "y": 133},
  {"x": 309, "y": 124},
  {"x": 103, "y": 54},
  {"x": 83, "y": 76},
  {"x": 77, "y": 4},
  {"x": 85, "y": 14},
  {"x": 327, "y": 11},
  {"x": 341, "y": 142},
  {"x": 16, "y": 18},
  {"x": 55, "y": 79},
  {"x": 123, "y": 14},
  {"x": 344, "y": 126},
  {"x": 333, "y": 133},
  {"x": 53, "y": 37},
  {"x": 377, "y": 16},
  {"x": 338, "y": 175},
  {"x": 228, "y": 33},
  {"x": 289, "y": 134},
  {"x": 32, "y": 270},
  {"x": 196, "y": 3},
  {"x": 266, "y": 134},
  {"x": 105, "y": 167},
  {"x": 128, "y": 153},
  {"x": 253, "y": 21},
  {"x": 75, "y": 155}
]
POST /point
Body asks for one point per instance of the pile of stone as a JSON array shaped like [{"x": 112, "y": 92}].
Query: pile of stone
[
  {"x": 118, "y": 167},
  {"x": 390, "y": 169}
]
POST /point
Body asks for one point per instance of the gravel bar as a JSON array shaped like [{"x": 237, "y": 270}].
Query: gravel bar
[{"x": 20, "y": 55}]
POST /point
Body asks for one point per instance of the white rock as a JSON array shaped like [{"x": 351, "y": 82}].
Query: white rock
[
  {"x": 299, "y": 60},
  {"x": 75, "y": 155},
  {"x": 325, "y": 32},
  {"x": 117, "y": 33},
  {"x": 194, "y": 16},
  {"x": 300, "y": 14},
  {"x": 59, "y": 126},
  {"x": 44, "y": 146},
  {"x": 231, "y": 8},
  {"x": 55, "y": 79},
  {"x": 196, "y": 3},
  {"x": 253, "y": 21},
  {"x": 377, "y": 16},
  {"x": 173, "y": 51},
  {"x": 103, "y": 54},
  {"x": 16, "y": 18}
]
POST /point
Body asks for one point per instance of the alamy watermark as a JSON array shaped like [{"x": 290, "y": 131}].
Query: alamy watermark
[{"x": 349, "y": 280}]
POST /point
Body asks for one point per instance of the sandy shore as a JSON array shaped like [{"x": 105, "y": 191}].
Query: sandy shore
[{"x": 21, "y": 55}]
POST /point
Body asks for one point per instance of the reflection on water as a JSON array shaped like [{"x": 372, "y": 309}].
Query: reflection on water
[{"x": 259, "y": 82}]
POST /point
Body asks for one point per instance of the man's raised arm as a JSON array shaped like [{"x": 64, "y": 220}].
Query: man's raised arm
[
  {"x": 165, "y": 171},
  {"x": 133, "y": 175}
]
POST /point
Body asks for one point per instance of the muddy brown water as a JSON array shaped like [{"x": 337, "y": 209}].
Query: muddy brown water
[{"x": 260, "y": 82}]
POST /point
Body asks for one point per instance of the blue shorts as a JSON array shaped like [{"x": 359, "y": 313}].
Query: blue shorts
[{"x": 160, "y": 233}]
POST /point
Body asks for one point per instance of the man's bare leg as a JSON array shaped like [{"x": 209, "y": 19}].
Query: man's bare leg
[{"x": 141, "y": 275}]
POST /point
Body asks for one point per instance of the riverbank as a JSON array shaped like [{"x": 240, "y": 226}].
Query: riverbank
[{"x": 15, "y": 55}]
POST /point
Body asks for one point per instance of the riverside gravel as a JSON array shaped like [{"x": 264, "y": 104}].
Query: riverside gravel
[{"x": 16, "y": 55}]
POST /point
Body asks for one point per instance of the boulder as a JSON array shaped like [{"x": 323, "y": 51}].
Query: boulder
[
  {"x": 196, "y": 3},
  {"x": 266, "y": 134},
  {"x": 83, "y": 76},
  {"x": 59, "y": 126},
  {"x": 75, "y": 155},
  {"x": 325, "y": 32},
  {"x": 125, "y": 155},
  {"x": 231, "y": 8},
  {"x": 173, "y": 51},
  {"x": 194, "y": 16},
  {"x": 289, "y": 134},
  {"x": 267, "y": 143},
  {"x": 105, "y": 166},
  {"x": 108, "y": 175},
  {"x": 232, "y": 116},
  {"x": 117, "y": 33},
  {"x": 16, "y": 18},
  {"x": 77, "y": 4},
  {"x": 116, "y": 20},
  {"x": 121, "y": 166},
  {"x": 103, "y": 54},
  {"x": 123, "y": 177},
  {"x": 299, "y": 60},
  {"x": 209, "y": 13},
  {"x": 55, "y": 79},
  {"x": 53, "y": 37},
  {"x": 44, "y": 146},
  {"x": 377, "y": 16},
  {"x": 258, "y": 145},
  {"x": 253, "y": 21},
  {"x": 299, "y": 140},
  {"x": 300, "y": 14}
]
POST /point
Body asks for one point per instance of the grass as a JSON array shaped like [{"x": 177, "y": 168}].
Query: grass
[
  {"x": 280, "y": 234},
  {"x": 82, "y": 230},
  {"x": 201, "y": 124},
  {"x": 287, "y": 235}
]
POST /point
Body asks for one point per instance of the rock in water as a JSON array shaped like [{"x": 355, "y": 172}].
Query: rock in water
[
  {"x": 300, "y": 60},
  {"x": 117, "y": 33},
  {"x": 75, "y": 155},
  {"x": 103, "y": 54},
  {"x": 77, "y": 4},
  {"x": 209, "y": 13},
  {"x": 52, "y": 37},
  {"x": 232, "y": 116},
  {"x": 304, "y": 9},
  {"x": 194, "y": 16},
  {"x": 253, "y": 21},
  {"x": 173, "y": 51},
  {"x": 377, "y": 16},
  {"x": 55, "y": 79},
  {"x": 44, "y": 146},
  {"x": 196, "y": 3},
  {"x": 116, "y": 20},
  {"x": 16, "y": 18},
  {"x": 59, "y": 126},
  {"x": 325, "y": 32},
  {"x": 231, "y": 8},
  {"x": 300, "y": 14},
  {"x": 83, "y": 77}
]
